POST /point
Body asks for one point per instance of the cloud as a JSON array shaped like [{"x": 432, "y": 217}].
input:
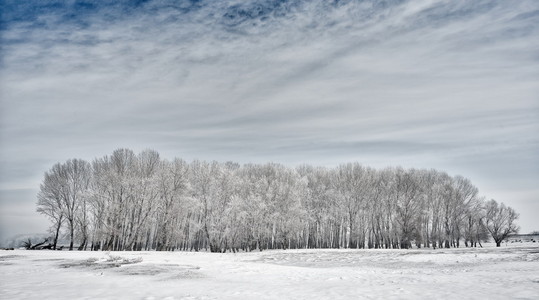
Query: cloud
[{"x": 446, "y": 84}]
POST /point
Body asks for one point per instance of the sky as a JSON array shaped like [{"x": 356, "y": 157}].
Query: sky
[{"x": 451, "y": 85}]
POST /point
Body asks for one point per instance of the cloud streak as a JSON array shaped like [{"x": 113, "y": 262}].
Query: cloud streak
[{"x": 445, "y": 84}]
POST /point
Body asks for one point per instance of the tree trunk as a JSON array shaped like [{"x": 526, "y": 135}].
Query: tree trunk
[
  {"x": 83, "y": 244},
  {"x": 71, "y": 233},
  {"x": 56, "y": 235}
]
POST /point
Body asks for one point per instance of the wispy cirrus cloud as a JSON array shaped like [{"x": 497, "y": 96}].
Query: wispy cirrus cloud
[{"x": 445, "y": 84}]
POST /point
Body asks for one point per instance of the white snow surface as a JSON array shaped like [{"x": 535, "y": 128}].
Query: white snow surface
[{"x": 508, "y": 272}]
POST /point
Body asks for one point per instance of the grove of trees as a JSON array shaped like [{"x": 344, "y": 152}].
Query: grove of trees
[{"x": 127, "y": 201}]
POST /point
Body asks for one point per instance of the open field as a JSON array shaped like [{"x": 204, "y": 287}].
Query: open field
[{"x": 508, "y": 272}]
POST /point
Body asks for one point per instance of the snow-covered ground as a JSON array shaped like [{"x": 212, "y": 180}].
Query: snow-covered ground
[{"x": 508, "y": 272}]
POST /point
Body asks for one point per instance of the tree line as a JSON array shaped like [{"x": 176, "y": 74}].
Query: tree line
[{"x": 128, "y": 201}]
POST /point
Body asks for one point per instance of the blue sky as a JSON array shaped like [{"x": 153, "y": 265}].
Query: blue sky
[{"x": 451, "y": 85}]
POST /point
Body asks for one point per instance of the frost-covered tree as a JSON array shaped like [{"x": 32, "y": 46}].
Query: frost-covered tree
[
  {"x": 205, "y": 179},
  {"x": 173, "y": 185},
  {"x": 351, "y": 183},
  {"x": 49, "y": 200},
  {"x": 77, "y": 175},
  {"x": 62, "y": 194},
  {"x": 115, "y": 180}
]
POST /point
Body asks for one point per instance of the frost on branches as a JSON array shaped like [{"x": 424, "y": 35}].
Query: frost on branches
[{"x": 140, "y": 202}]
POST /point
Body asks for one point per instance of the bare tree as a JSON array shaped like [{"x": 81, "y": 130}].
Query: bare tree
[
  {"x": 49, "y": 200},
  {"x": 500, "y": 220},
  {"x": 204, "y": 180},
  {"x": 351, "y": 183},
  {"x": 173, "y": 185},
  {"x": 76, "y": 179}
]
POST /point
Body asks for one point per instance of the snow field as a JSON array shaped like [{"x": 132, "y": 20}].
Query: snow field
[{"x": 508, "y": 272}]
